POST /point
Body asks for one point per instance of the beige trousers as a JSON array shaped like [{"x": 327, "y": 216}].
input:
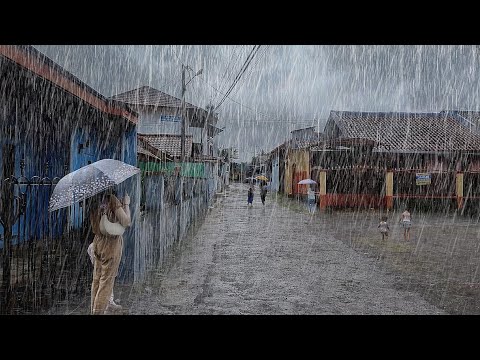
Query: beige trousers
[{"x": 108, "y": 252}]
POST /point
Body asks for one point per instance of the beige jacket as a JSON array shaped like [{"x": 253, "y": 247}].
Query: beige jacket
[{"x": 116, "y": 212}]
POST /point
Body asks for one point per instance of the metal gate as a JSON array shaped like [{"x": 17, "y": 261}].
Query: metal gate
[{"x": 42, "y": 262}]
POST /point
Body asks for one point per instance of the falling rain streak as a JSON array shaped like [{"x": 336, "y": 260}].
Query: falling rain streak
[{"x": 363, "y": 164}]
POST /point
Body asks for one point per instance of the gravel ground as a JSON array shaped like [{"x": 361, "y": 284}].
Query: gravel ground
[{"x": 272, "y": 259}]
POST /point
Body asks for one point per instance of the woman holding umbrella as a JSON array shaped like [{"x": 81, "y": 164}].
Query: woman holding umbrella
[
  {"x": 108, "y": 217},
  {"x": 310, "y": 194},
  {"x": 311, "y": 199},
  {"x": 107, "y": 248}
]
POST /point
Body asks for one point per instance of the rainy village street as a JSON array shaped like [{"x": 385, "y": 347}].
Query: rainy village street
[
  {"x": 271, "y": 260},
  {"x": 125, "y": 175}
]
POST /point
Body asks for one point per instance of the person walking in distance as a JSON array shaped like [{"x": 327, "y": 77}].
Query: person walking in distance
[
  {"x": 263, "y": 193},
  {"x": 311, "y": 200},
  {"x": 406, "y": 221},
  {"x": 250, "y": 196}
]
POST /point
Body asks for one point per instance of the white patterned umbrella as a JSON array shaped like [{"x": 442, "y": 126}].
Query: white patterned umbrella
[
  {"x": 88, "y": 181},
  {"x": 307, "y": 182}
]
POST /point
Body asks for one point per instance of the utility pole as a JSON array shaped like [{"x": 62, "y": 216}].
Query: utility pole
[
  {"x": 182, "y": 159},
  {"x": 182, "y": 146},
  {"x": 184, "y": 117}
]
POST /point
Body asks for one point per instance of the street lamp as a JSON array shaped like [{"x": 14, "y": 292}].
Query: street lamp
[{"x": 182, "y": 143}]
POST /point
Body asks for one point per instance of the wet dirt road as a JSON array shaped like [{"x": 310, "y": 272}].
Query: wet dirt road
[{"x": 270, "y": 260}]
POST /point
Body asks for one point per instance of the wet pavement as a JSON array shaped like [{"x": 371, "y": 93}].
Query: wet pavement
[{"x": 270, "y": 260}]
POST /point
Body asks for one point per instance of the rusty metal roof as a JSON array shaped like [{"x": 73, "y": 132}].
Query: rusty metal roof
[{"x": 407, "y": 131}]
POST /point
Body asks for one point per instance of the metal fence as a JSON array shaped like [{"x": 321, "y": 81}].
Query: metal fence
[
  {"x": 157, "y": 230},
  {"x": 43, "y": 259},
  {"x": 41, "y": 262}
]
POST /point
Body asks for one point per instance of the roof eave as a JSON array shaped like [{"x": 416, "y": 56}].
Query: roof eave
[{"x": 38, "y": 63}]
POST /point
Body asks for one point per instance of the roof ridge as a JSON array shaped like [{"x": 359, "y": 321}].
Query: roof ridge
[
  {"x": 147, "y": 90},
  {"x": 132, "y": 90},
  {"x": 337, "y": 112}
]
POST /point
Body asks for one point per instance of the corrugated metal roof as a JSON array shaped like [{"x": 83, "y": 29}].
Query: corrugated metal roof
[
  {"x": 407, "y": 131},
  {"x": 147, "y": 95},
  {"x": 473, "y": 116},
  {"x": 142, "y": 150},
  {"x": 170, "y": 144},
  {"x": 471, "y": 119}
]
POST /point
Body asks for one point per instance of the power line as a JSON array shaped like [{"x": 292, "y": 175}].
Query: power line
[
  {"x": 224, "y": 81},
  {"x": 271, "y": 120},
  {"x": 250, "y": 71},
  {"x": 242, "y": 71},
  {"x": 176, "y": 55},
  {"x": 235, "y": 101},
  {"x": 221, "y": 84}
]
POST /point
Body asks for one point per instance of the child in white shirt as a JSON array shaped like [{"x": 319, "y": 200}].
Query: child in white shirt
[{"x": 383, "y": 227}]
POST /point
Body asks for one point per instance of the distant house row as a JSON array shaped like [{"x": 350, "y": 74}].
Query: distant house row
[{"x": 384, "y": 160}]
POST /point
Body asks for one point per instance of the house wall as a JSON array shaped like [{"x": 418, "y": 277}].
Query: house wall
[
  {"x": 297, "y": 168},
  {"x": 275, "y": 180},
  {"x": 281, "y": 171},
  {"x": 109, "y": 138},
  {"x": 34, "y": 120},
  {"x": 49, "y": 124},
  {"x": 211, "y": 173},
  {"x": 96, "y": 136},
  {"x": 204, "y": 141},
  {"x": 154, "y": 121},
  {"x": 474, "y": 165},
  {"x": 302, "y": 136}
]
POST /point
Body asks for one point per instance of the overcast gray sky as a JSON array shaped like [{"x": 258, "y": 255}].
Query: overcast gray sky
[{"x": 285, "y": 87}]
